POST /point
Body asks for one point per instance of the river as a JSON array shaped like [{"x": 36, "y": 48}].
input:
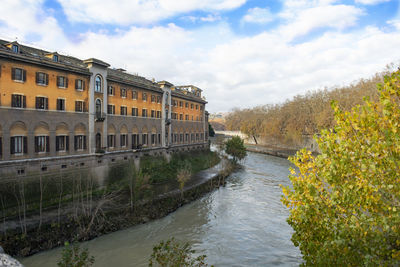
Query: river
[{"x": 241, "y": 224}]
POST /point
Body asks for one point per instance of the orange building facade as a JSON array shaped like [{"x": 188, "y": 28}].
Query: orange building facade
[{"x": 56, "y": 108}]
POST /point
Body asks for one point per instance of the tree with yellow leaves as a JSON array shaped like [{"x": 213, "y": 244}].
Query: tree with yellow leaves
[{"x": 345, "y": 203}]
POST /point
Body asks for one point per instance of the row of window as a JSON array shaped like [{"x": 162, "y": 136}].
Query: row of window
[
  {"x": 192, "y": 106},
  {"x": 179, "y": 138},
  {"x": 174, "y": 116},
  {"x": 154, "y": 140},
  {"x": 134, "y": 112},
  {"x": 19, "y": 144},
  {"x": 42, "y": 78},
  {"x": 134, "y": 94},
  {"x": 41, "y": 102}
]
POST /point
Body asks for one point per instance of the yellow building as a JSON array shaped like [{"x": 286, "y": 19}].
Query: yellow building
[{"x": 57, "y": 107}]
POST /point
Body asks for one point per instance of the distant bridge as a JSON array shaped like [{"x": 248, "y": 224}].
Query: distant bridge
[{"x": 233, "y": 133}]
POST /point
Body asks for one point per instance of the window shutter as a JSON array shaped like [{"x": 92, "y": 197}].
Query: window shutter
[
  {"x": 76, "y": 142},
  {"x": 76, "y": 83},
  {"x": 46, "y": 102},
  {"x": 24, "y": 75},
  {"x": 37, "y": 102},
  {"x": 84, "y": 107},
  {"x": 47, "y": 79},
  {"x": 57, "y": 143},
  {"x": 13, "y": 74},
  {"x": 13, "y": 100},
  {"x": 37, "y": 77},
  {"x": 84, "y": 142},
  {"x": 36, "y": 144},
  {"x": 1, "y": 145},
  {"x": 58, "y": 104},
  {"x": 24, "y": 101},
  {"x": 58, "y": 81},
  {"x": 66, "y": 82},
  {"x": 76, "y": 105},
  {"x": 83, "y": 85},
  {"x": 67, "y": 143},
  {"x": 12, "y": 146},
  {"x": 25, "y": 144},
  {"x": 47, "y": 143}
]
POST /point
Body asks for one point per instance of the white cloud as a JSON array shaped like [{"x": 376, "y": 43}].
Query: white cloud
[
  {"x": 301, "y": 21},
  {"x": 258, "y": 15},
  {"x": 371, "y": 2},
  {"x": 138, "y": 11}
]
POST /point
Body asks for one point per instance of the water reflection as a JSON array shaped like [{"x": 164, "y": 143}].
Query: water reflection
[{"x": 241, "y": 224}]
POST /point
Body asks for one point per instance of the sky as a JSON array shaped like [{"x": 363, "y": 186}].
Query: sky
[{"x": 242, "y": 53}]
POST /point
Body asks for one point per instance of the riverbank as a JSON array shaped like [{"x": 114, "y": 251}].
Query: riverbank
[
  {"x": 273, "y": 151},
  {"x": 114, "y": 216}
]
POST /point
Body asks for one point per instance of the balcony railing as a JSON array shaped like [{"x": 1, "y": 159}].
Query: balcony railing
[{"x": 100, "y": 116}]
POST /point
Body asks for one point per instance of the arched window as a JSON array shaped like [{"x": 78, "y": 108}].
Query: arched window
[
  {"x": 98, "y": 106},
  {"x": 97, "y": 84}
]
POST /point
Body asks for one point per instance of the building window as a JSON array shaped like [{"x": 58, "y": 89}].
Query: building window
[
  {"x": 111, "y": 90},
  {"x": 15, "y": 49},
  {"x": 158, "y": 114},
  {"x": 55, "y": 58},
  {"x": 62, "y": 143},
  {"x": 62, "y": 81},
  {"x": 97, "y": 84},
  {"x": 135, "y": 141},
  {"x": 158, "y": 99},
  {"x": 144, "y": 112},
  {"x": 187, "y": 117},
  {"x": 197, "y": 106},
  {"x": 186, "y": 138},
  {"x": 186, "y": 104},
  {"x": 42, "y": 102},
  {"x": 153, "y": 139},
  {"x": 80, "y": 106},
  {"x": 60, "y": 104},
  {"x": 79, "y": 84},
  {"x": 98, "y": 107},
  {"x": 153, "y": 113},
  {"x": 153, "y": 98},
  {"x": 181, "y": 138},
  {"x": 145, "y": 139},
  {"x": 18, "y": 145},
  {"x": 124, "y": 140},
  {"x": 191, "y": 106},
  {"x": 159, "y": 139},
  {"x": 135, "y": 112},
  {"x": 123, "y": 92},
  {"x": 175, "y": 103},
  {"x": 18, "y": 74},
  {"x": 42, "y": 144},
  {"x": 42, "y": 78},
  {"x": 180, "y": 104},
  {"x": 18, "y": 101},
  {"x": 110, "y": 109},
  {"x": 80, "y": 142},
  {"x": 144, "y": 97},
  {"x": 201, "y": 107},
  {"x": 134, "y": 94},
  {"x": 111, "y": 140},
  {"x": 181, "y": 117},
  {"x": 124, "y": 111}
]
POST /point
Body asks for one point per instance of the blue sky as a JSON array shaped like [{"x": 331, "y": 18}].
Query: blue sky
[{"x": 242, "y": 53}]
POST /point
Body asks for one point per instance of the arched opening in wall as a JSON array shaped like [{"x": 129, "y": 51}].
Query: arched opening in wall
[
  {"x": 111, "y": 137},
  {"x": 123, "y": 137},
  {"x": 153, "y": 136},
  {"x": 62, "y": 138},
  {"x": 135, "y": 137},
  {"x": 42, "y": 138},
  {"x": 98, "y": 141},
  {"x": 98, "y": 108},
  {"x": 80, "y": 137},
  {"x": 98, "y": 84},
  {"x": 187, "y": 136},
  {"x": 145, "y": 136},
  {"x": 181, "y": 136}
]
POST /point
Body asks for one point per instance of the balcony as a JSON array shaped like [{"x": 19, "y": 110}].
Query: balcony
[{"x": 100, "y": 116}]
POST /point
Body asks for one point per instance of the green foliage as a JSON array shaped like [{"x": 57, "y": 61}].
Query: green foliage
[
  {"x": 345, "y": 202},
  {"x": 211, "y": 131},
  {"x": 172, "y": 253},
  {"x": 235, "y": 147},
  {"x": 74, "y": 256},
  {"x": 183, "y": 175}
]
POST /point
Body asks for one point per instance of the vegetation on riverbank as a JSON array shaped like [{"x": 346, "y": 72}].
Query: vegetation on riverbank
[
  {"x": 302, "y": 115},
  {"x": 128, "y": 197},
  {"x": 344, "y": 203}
]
